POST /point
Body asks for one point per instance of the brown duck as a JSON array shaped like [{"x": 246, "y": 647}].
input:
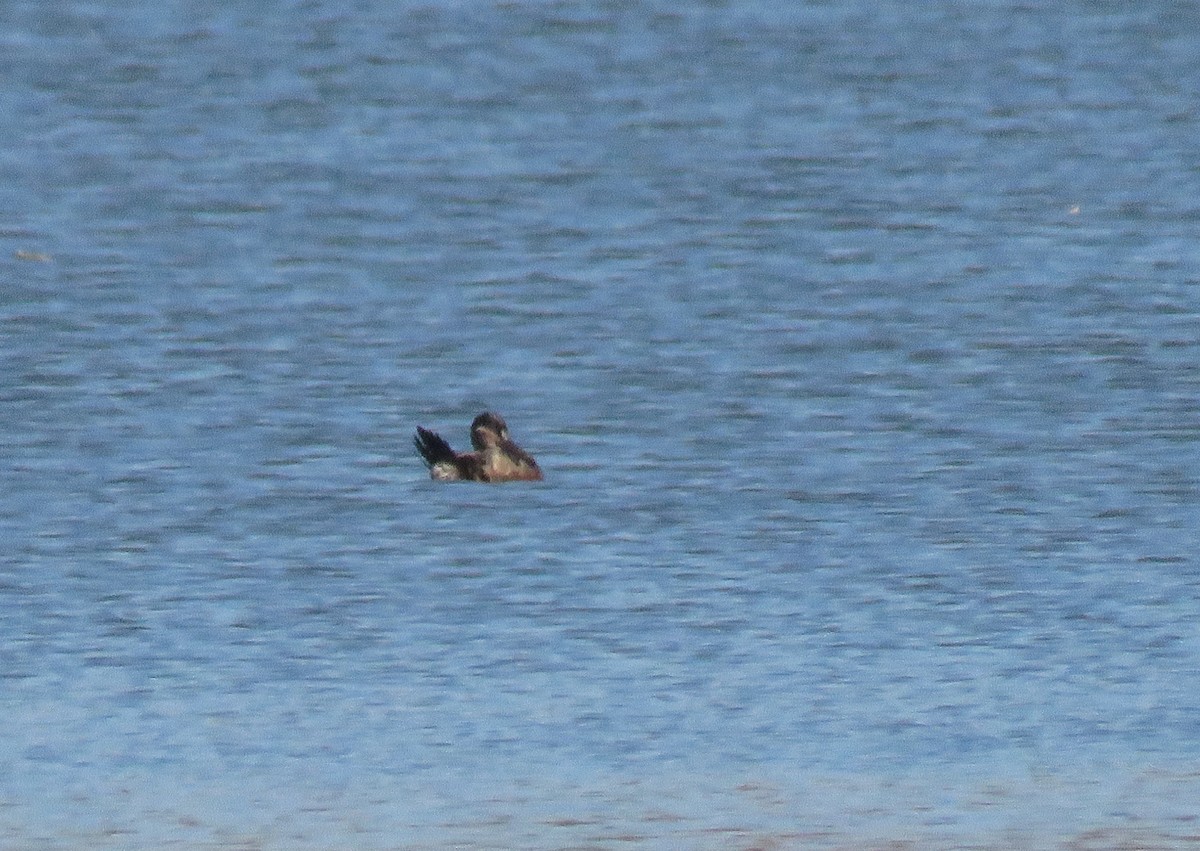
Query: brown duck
[{"x": 495, "y": 459}]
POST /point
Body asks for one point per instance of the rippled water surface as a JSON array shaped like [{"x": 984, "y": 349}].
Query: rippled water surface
[{"x": 859, "y": 344}]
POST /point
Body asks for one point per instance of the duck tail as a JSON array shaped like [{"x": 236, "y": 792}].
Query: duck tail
[{"x": 432, "y": 448}]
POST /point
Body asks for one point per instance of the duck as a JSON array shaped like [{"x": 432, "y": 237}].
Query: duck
[{"x": 496, "y": 457}]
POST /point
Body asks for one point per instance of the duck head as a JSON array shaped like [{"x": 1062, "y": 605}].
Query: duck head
[{"x": 487, "y": 430}]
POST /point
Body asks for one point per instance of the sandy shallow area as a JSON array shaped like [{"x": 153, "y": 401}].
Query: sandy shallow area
[{"x": 1151, "y": 809}]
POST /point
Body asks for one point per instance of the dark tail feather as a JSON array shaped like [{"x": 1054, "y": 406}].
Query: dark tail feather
[{"x": 432, "y": 448}]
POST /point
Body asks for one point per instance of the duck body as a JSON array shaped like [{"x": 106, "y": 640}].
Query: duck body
[{"x": 496, "y": 457}]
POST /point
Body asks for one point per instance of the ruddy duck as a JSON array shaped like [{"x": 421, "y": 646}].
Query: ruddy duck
[{"x": 495, "y": 459}]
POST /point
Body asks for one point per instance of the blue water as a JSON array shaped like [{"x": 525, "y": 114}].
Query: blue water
[{"x": 859, "y": 342}]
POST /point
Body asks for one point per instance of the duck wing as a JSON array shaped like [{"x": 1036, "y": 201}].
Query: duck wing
[{"x": 432, "y": 448}]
